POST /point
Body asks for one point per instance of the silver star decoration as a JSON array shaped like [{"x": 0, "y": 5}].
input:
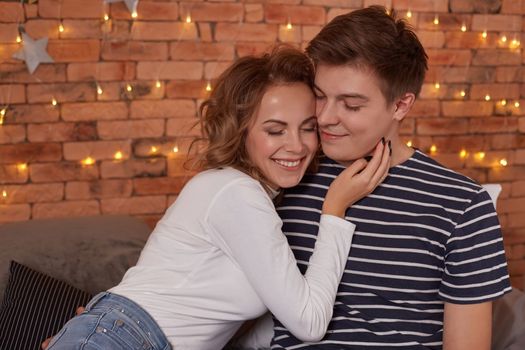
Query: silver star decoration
[
  {"x": 33, "y": 52},
  {"x": 131, "y": 4}
]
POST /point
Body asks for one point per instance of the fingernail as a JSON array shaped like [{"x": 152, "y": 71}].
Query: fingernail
[
  {"x": 383, "y": 140},
  {"x": 390, "y": 147}
]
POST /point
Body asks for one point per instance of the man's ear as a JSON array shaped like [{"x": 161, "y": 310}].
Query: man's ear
[{"x": 403, "y": 105}]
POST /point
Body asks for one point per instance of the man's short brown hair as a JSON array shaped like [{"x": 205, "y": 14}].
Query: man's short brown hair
[{"x": 372, "y": 39}]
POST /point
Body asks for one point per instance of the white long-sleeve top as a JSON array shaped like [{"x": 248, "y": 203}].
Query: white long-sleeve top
[{"x": 218, "y": 257}]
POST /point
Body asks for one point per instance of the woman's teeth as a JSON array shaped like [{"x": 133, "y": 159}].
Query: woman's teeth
[{"x": 287, "y": 163}]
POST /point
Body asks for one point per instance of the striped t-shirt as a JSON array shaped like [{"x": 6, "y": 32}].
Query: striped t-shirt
[{"x": 427, "y": 235}]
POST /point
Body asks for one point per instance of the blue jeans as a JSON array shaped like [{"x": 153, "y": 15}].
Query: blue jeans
[{"x": 111, "y": 322}]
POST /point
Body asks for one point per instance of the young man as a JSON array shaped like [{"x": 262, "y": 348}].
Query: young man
[{"x": 427, "y": 257}]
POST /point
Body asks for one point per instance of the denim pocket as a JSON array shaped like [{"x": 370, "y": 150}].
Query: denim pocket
[
  {"x": 129, "y": 331},
  {"x": 56, "y": 338}
]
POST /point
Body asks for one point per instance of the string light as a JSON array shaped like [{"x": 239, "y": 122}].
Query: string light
[
  {"x": 208, "y": 87},
  {"x": 118, "y": 155},
  {"x": 516, "y": 104},
  {"x": 409, "y": 143},
  {"x": 158, "y": 84},
  {"x": 54, "y": 101},
  {"x": 433, "y": 149},
  {"x": 4, "y": 194},
  {"x": 289, "y": 25},
  {"x": 2, "y": 115},
  {"x": 514, "y": 44},
  {"x": 188, "y": 18},
  {"x": 463, "y": 28},
  {"x": 462, "y": 93},
  {"x": 88, "y": 161},
  {"x": 134, "y": 14},
  {"x": 503, "y": 38},
  {"x": 175, "y": 149},
  {"x": 99, "y": 89},
  {"x": 503, "y": 102},
  {"x": 463, "y": 153},
  {"x": 436, "y": 20},
  {"x": 61, "y": 27},
  {"x": 503, "y": 162},
  {"x": 437, "y": 85},
  {"x": 487, "y": 97},
  {"x": 154, "y": 149},
  {"x": 480, "y": 155},
  {"x": 19, "y": 38},
  {"x": 409, "y": 14},
  {"x": 129, "y": 88},
  {"x": 484, "y": 34},
  {"x": 21, "y": 166},
  {"x": 106, "y": 17}
]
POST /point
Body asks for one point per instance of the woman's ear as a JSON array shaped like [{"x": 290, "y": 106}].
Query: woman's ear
[{"x": 403, "y": 105}]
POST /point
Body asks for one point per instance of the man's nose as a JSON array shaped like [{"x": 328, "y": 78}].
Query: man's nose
[{"x": 326, "y": 113}]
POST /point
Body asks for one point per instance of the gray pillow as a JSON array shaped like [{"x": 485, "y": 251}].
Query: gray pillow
[{"x": 90, "y": 253}]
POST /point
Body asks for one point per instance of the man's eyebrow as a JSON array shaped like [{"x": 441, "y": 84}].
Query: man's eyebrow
[{"x": 343, "y": 96}]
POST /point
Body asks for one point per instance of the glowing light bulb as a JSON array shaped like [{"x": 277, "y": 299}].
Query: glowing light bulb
[
  {"x": 54, "y": 102},
  {"x": 437, "y": 85},
  {"x": 484, "y": 34},
  {"x": 19, "y": 38},
  {"x": 487, "y": 97},
  {"x": 503, "y": 38},
  {"x": 61, "y": 27},
  {"x": 88, "y": 161},
  {"x": 208, "y": 87},
  {"x": 118, "y": 155},
  {"x": 463, "y": 153},
  {"x": 480, "y": 155},
  {"x": 436, "y": 20},
  {"x": 99, "y": 90},
  {"x": 409, "y": 143},
  {"x": 462, "y": 93},
  {"x": 21, "y": 166},
  {"x": 3, "y": 112},
  {"x": 463, "y": 28},
  {"x": 175, "y": 149},
  {"x": 158, "y": 84},
  {"x": 188, "y": 18},
  {"x": 503, "y": 102},
  {"x": 409, "y": 14},
  {"x": 516, "y": 104},
  {"x": 503, "y": 162},
  {"x": 514, "y": 44},
  {"x": 433, "y": 149},
  {"x": 4, "y": 194},
  {"x": 129, "y": 88},
  {"x": 154, "y": 149},
  {"x": 106, "y": 17},
  {"x": 289, "y": 25},
  {"x": 134, "y": 14}
]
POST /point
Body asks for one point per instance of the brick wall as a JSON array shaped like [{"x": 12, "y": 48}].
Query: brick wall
[{"x": 127, "y": 91}]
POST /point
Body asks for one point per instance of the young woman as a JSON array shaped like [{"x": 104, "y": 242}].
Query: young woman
[{"x": 218, "y": 256}]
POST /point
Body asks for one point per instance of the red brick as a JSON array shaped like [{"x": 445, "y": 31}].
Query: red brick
[
  {"x": 250, "y": 48},
  {"x": 513, "y": 7},
  {"x": 432, "y": 39},
  {"x": 447, "y": 21},
  {"x": 35, "y": 193},
  {"x": 12, "y": 134},
  {"x": 94, "y": 111},
  {"x": 456, "y": 143},
  {"x": 7, "y": 52},
  {"x": 180, "y": 166},
  {"x": 64, "y": 171},
  {"x": 32, "y": 113},
  {"x": 212, "y": 70},
  {"x": 134, "y": 51},
  {"x": 186, "y": 89},
  {"x": 103, "y": 71},
  {"x": 39, "y": 28},
  {"x": 352, "y": 4},
  {"x": 62, "y": 92},
  {"x": 134, "y": 205},
  {"x": 518, "y": 188},
  {"x": 11, "y": 174},
  {"x": 441, "y": 126},
  {"x": 496, "y": 91},
  {"x": 421, "y": 5},
  {"x": 25, "y": 153},
  {"x": 309, "y": 32},
  {"x": 70, "y": 9},
  {"x": 118, "y": 130},
  {"x": 471, "y": 40},
  {"x": 97, "y": 150},
  {"x": 8, "y": 32},
  {"x": 253, "y": 12},
  {"x": 143, "y": 148},
  {"x": 498, "y": 22},
  {"x": 31, "y": 10},
  {"x": 521, "y": 125},
  {"x": 474, "y": 6},
  {"x": 277, "y": 13},
  {"x": 98, "y": 189},
  {"x": 205, "y": 31},
  {"x": 198, "y": 51},
  {"x": 170, "y": 70},
  {"x": 209, "y": 12},
  {"x": 12, "y": 93},
  {"x": 155, "y": 10},
  {"x": 159, "y": 185},
  {"x": 183, "y": 127},
  {"x": 46, "y": 73},
  {"x": 466, "y": 108},
  {"x": 14, "y": 212},
  {"x": 519, "y": 157},
  {"x": 59, "y": 132},
  {"x": 507, "y": 141},
  {"x": 444, "y": 57},
  {"x": 163, "y": 31},
  {"x": 496, "y": 58},
  {"x": 246, "y": 32},
  {"x": 512, "y": 205},
  {"x": 78, "y": 50},
  {"x": 493, "y": 125},
  {"x": 65, "y": 209},
  {"x": 516, "y": 220},
  {"x": 334, "y": 12},
  {"x": 292, "y": 35},
  {"x": 133, "y": 168},
  {"x": 509, "y": 74},
  {"x": 81, "y": 29},
  {"x": 11, "y": 12},
  {"x": 163, "y": 109},
  {"x": 501, "y": 174}
]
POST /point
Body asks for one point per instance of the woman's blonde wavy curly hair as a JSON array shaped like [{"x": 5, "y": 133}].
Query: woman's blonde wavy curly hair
[{"x": 230, "y": 110}]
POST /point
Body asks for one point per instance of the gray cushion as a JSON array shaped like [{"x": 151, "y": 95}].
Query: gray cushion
[
  {"x": 90, "y": 253},
  {"x": 508, "y": 320}
]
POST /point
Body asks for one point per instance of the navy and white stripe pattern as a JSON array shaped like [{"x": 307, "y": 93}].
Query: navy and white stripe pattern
[
  {"x": 35, "y": 307},
  {"x": 426, "y": 236}
]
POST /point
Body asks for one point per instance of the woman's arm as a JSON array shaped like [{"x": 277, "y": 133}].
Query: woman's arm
[{"x": 467, "y": 326}]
